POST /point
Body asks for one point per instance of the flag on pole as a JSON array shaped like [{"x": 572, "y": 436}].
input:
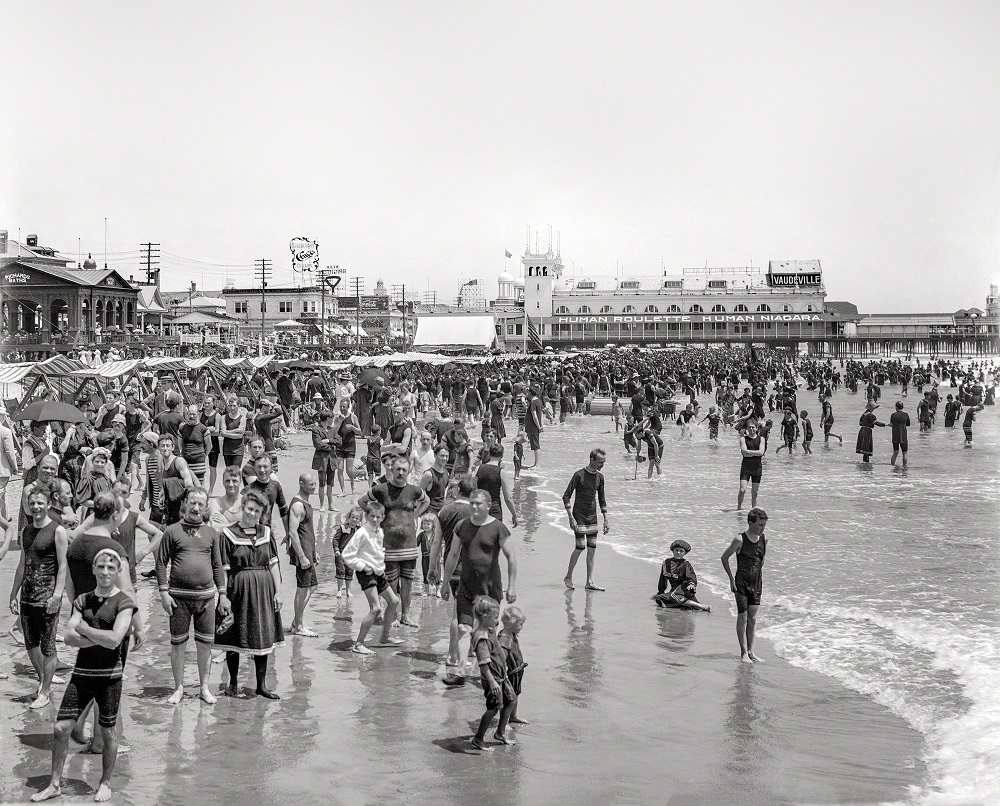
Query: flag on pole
[
  {"x": 533, "y": 335},
  {"x": 507, "y": 254}
]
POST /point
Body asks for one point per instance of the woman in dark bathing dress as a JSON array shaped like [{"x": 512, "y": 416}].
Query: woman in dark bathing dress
[
  {"x": 250, "y": 561},
  {"x": 866, "y": 435}
]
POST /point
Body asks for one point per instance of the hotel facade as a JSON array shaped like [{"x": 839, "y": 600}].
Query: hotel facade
[{"x": 781, "y": 306}]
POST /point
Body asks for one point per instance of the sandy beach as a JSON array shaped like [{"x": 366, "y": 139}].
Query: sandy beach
[{"x": 627, "y": 703}]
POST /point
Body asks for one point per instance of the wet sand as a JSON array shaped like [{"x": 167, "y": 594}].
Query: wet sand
[{"x": 628, "y": 704}]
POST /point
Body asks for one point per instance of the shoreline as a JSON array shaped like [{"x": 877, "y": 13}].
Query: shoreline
[{"x": 628, "y": 703}]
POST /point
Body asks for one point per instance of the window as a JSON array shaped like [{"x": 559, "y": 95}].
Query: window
[
  {"x": 605, "y": 309},
  {"x": 786, "y": 308},
  {"x": 651, "y": 309},
  {"x": 628, "y": 309},
  {"x": 763, "y": 309},
  {"x": 695, "y": 309},
  {"x": 584, "y": 309},
  {"x": 241, "y": 307},
  {"x": 674, "y": 309},
  {"x": 810, "y": 308},
  {"x": 285, "y": 307},
  {"x": 562, "y": 309},
  {"x": 741, "y": 308},
  {"x": 718, "y": 309}
]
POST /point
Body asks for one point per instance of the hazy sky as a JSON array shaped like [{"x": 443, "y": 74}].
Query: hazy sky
[{"x": 416, "y": 140}]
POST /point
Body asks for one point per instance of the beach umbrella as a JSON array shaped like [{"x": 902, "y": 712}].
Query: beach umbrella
[
  {"x": 47, "y": 411},
  {"x": 373, "y": 376},
  {"x": 301, "y": 363}
]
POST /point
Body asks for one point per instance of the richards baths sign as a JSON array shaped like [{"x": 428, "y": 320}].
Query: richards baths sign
[{"x": 696, "y": 318}]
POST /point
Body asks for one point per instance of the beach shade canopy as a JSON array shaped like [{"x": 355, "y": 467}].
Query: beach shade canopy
[
  {"x": 46, "y": 411},
  {"x": 291, "y": 324},
  {"x": 373, "y": 376},
  {"x": 301, "y": 363}
]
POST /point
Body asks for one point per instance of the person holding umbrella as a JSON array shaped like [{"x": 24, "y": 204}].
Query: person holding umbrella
[{"x": 33, "y": 449}]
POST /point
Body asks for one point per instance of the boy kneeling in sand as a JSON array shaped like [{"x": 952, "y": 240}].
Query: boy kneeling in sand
[{"x": 678, "y": 581}]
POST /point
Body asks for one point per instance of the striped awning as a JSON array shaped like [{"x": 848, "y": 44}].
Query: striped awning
[
  {"x": 13, "y": 373},
  {"x": 113, "y": 369}
]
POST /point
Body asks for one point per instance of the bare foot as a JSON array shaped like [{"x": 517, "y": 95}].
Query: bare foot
[
  {"x": 515, "y": 720},
  {"x": 267, "y": 693},
  {"x": 708, "y": 608},
  {"x": 479, "y": 744},
  {"x": 233, "y": 691},
  {"x": 407, "y": 622},
  {"x": 51, "y": 791},
  {"x": 40, "y": 702},
  {"x": 390, "y": 642},
  {"x": 592, "y": 586},
  {"x": 207, "y": 696},
  {"x": 569, "y": 583},
  {"x": 176, "y": 697},
  {"x": 361, "y": 649},
  {"x": 746, "y": 659},
  {"x": 754, "y": 658},
  {"x": 103, "y": 793},
  {"x": 500, "y": 737}
]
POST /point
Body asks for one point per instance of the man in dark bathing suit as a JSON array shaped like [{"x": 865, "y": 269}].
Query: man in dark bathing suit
[
  {"x": 749, "y": 548},
  {"x": 587, "y": 485},
  {"x": 478, "y": 543}
]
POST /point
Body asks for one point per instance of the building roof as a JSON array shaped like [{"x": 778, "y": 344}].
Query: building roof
[
  {"x": 794, "y": 267},
  {"x": 207, "y": 302},
  {"x": 203, "y": 318},
  {"x": 455, "y": 332},
  {"x": 843, "y": 309},
  {"x": 149, "y": 300},
  {"x": 78, "y": 277},
  {"x": 912, "y": 319}
]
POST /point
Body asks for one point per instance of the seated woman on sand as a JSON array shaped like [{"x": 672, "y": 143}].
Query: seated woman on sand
[{"x": 678, "y": 581}]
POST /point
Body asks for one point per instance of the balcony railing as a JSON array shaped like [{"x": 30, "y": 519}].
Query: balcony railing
[{"x": 83, "y": 338}]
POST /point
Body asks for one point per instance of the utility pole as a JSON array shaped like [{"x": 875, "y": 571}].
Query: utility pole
[
  {"x": 400, "y": 292},
  {"x": 329, "y": 276},
  {"x": 357, "y": 284},
  {"x": 404, "y": 318},
  {"x": 152, "y": 261},
  {"x": 262, "y": 268}
]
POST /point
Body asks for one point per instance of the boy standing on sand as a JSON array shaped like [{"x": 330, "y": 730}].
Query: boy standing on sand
[{"x": 749, "y": 548}]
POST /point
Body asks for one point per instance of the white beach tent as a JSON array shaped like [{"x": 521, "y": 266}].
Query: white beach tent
[{"x": 455, "y": 332}]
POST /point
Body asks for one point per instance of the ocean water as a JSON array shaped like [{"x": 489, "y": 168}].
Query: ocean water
[{"x": 880, "y": 577}]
